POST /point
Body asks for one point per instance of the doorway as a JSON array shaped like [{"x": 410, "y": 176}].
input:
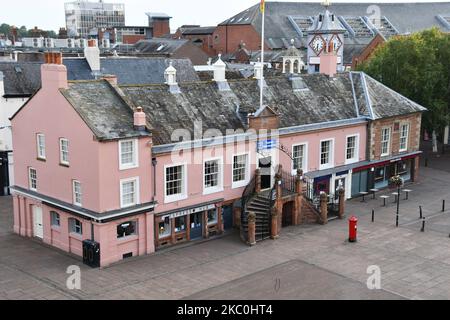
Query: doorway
[
  {"x": 288, "y": 209},
  {"x": 38, "y": 228},
  {"x": 196, "y": 225},
  {"x": 265, "y": 165},
  {"x": 227, "y": 214}
]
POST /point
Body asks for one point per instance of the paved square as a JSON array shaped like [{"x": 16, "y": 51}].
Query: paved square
[{"x": 307, "y": 262}]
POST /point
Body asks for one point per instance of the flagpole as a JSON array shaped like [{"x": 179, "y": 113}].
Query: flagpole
[{"x": 263, "y": 12}]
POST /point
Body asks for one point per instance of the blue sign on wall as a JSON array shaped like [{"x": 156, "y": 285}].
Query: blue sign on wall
[{"x": 268, "y": 144}]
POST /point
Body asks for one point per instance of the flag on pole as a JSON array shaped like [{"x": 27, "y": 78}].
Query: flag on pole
[{"x": 263, "y": 6}]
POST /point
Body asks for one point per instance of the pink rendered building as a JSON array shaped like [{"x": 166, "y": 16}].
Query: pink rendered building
[{"x": 123, "y": 171}]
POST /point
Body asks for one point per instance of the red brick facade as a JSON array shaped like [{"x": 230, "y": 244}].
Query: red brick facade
[
  {"x": 368, "y": 51},
  {"x": 161, "y": 28},
  {"x": 375, "y": 131},
  {"x": 228, "y": 38}
]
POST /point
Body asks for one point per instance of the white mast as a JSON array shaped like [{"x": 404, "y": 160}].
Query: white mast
[{"x": 263, "y": 12}]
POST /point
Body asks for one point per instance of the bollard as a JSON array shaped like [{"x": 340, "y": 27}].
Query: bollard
[
  {"x": 373, "y": 215},
  {"x": 423, "y": 225},
  {"x": 421, "y": 213},
  {"x": 443, "y": 205},
  {"x": 396, "y": 220}
]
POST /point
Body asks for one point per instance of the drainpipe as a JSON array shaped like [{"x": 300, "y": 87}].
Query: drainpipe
[
  {"x": 92, "y": 230},
  {"x": 154, "y": 163}
]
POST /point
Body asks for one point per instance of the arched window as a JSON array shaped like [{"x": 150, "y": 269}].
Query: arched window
[{"x": 75, "y": 226}]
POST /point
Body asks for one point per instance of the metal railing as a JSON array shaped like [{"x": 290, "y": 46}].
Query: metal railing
[
  {"x": 249, "y": 192},
  {"x": 287, "y": 181}
]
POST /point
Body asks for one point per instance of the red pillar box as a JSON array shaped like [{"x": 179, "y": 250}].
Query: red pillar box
[{"x": 353, "y": 229}]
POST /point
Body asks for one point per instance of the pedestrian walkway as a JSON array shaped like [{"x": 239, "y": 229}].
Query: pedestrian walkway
[{"x": 305, "y": 262}]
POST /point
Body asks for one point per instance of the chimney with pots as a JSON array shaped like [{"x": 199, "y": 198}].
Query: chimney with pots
[
  {"x": 329, "y": 61},
  {"x": 92, "y": 55},
  {"x": 140, "y": 122},
  {"x": 53, "y": 72}
]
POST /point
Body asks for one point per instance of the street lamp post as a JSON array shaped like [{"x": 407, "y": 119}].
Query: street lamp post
[{"x": 397, "y": 181}]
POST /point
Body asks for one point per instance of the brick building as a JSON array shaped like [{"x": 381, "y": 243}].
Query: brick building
[
  {"x": 290, "y": 20},
  {"x": 199, "y": 36}
]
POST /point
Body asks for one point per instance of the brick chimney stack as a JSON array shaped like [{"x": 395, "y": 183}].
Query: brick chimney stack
[
  {"x": 53, "y": 72},
  {"x": 92, "y": 55},
  {"x": 329, "y": 61}
]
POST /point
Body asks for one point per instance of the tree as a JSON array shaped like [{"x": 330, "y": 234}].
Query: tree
[{"x": 418, "y": 67}]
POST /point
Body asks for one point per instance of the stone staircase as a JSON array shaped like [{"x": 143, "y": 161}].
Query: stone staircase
[{"x": 259, "y": 204}]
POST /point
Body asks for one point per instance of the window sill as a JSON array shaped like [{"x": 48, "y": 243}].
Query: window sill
[
  {"x": 127, "y": 239},
  {"x": 325, "y": 167},
  {"x": 41, "y": 159},
  {"x": 65, "y": 165},
  {"x": 128, "y": 167},
  {"x": 56, "y": 228},
  {"x": 76, "y": 236},
  {"x": 239, "y": 184},
  {"x": 175, "y": 198},
  {"x": 351, "y": 161},
  {"x": 212, "y": 191}
]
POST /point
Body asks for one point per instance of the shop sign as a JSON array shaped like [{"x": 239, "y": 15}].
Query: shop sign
[{"x": 190, "y": 211}]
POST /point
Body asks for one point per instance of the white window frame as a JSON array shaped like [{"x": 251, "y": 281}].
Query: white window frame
[
  {"x": 41, "y": 152},
  {"x": 74, "y": 193},
  {"x": 70, "y": 227},
  {"x": 30, "y": 180},
  {"x": 137, "y": 192},
  {"x": 242, "y": 183},
  {"x": 356, "y": 155},
  {"x": 384, "y": 154},
  {"x": 219, "y": 186},
  {"x": 405, "y": 124},
  {"x": 181, "y": 196},
  {"x": 61, "y": 152},
  {"x": 305, "y": 157},
  {"x": 55, "y": 216},
  {"x": 330, "y": 164},
  {"x": 135, "y": 164}
]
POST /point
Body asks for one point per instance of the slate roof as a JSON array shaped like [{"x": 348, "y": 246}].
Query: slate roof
[
  {"x": 21, "y": 79},
  {"x": 132, "y": 70},
  {"x": 197, "y": 30},
  {"x": 160, "y": 45},
  {"x": 404, "y": 17},
  {"x": 302, "y": 100},
  {"x": 103, "y": 110}
]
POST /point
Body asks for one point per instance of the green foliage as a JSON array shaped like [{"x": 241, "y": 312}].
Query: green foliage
[
  {"x": 22, "y": 32},
  {"x": 417, "y": 66}
]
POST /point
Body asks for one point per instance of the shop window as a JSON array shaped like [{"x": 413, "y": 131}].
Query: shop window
[
  {"x": 212, "y": 217},
  {"x": 402, "y": 168},
  {"x": 126, "y": 229},
  {"x": 380, "y": 173},
  {"x": 180, "y": 224},
  {"x": 165, "y": 228}
]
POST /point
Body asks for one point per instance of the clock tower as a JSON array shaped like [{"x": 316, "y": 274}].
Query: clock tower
[{"x": 326, "y": 32}]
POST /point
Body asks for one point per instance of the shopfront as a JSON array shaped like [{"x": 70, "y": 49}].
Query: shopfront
[
  {"x": 378, "y": 175},
  {"x": 188, "y": 224}
]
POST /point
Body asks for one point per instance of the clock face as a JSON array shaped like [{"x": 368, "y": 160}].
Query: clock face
[
  {"x": 317, "y": 44},
  {"x": 337, "y": 43}
]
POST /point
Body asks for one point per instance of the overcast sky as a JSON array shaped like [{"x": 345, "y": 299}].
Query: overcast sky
[{"x": 49, "y": 14}]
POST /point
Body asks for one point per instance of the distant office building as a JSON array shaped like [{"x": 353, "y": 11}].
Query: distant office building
[{"x": 82, "y": 17}]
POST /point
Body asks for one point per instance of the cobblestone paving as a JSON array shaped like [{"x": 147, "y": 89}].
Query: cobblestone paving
[{"x": 307, "y": 262}]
